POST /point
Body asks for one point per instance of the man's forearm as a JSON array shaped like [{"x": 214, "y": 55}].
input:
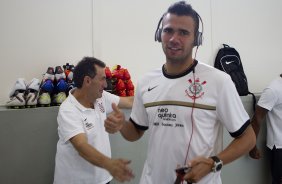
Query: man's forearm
[
  {"x": 126, "y": 102},
  {"x": 93, "y": 156},
  {"x": 88, "y": 152},
  {"x": 256, "y": 126},
  {"x": 239, "y": 146},
  {"x": 257, "y": 119},
  {"x": 130, "y": 132}
]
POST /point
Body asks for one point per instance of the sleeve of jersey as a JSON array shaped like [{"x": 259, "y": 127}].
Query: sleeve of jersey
[
  {"x": 109, "y": 99},
  {"x": 69, "y": 124},
  {"x": 138, "y": 114},
  {"x": 230, "y": 109},
  {"x": 267, "y": 99}
]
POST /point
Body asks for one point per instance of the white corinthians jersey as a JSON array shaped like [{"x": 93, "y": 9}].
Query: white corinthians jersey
[{"x": 193, "y": 106}]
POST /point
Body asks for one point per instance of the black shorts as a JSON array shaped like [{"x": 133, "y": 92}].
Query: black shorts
[{"x": 276, "y": 165}]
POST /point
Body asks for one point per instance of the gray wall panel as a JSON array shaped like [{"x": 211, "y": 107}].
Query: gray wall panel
[{"x": 28, "y": 140}]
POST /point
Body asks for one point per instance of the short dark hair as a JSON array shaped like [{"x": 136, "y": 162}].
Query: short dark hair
[
  {"x": 86, "y": 67},
  {"x": 182, "y": 8}
]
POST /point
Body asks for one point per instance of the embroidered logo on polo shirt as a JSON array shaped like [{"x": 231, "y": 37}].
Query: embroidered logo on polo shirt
[
  {"x": 101, "y": 107},
  {"x": 88, "y": 125},
  {"x": 195, "y": 89}
]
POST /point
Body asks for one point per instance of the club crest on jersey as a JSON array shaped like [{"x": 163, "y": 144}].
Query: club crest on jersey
[{"x": 195, "y": 89}]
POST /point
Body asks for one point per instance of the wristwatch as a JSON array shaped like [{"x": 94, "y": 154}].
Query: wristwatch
[{"x": 217, "y": 165}]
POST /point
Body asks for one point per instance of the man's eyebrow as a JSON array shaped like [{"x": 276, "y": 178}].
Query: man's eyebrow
[{"x": 180, "y": 29}]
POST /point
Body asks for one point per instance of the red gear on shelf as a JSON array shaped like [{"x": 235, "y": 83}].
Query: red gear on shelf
[
  {"x": 120, "y": 85},
  {"x": 120, "y": 77},
  {"x": 129, "y": 92},
  {"x": 108, "y": 73},
  {"x": 126, "y": 75},
  {"x": 121, "y": 93},
  {"x": 129, "y": 85}
]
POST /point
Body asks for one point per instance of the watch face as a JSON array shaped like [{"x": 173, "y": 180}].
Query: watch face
[{"x": 218, "y": 166}]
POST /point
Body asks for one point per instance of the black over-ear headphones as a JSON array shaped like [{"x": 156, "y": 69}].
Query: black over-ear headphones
[
  {"x": 158, "y": 32},
  {"x": 198, "y": 38}
]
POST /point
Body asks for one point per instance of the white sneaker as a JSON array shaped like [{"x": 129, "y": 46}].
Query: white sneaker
[
  {"x": 32, "y": 92},
  {"x": 17, "y": 94}
]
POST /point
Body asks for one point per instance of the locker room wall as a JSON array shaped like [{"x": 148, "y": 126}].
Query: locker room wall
[
  {"x": 126, "y": 35},
  {"x": 36, "y": 34},
  {"x": 28, "y": 139}
]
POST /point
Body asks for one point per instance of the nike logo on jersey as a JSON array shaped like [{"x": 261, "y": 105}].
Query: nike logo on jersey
[
  {"x": 150, "y": 89},
  {"x": 229, "y": 62}
]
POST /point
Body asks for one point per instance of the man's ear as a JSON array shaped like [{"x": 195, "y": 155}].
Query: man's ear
[{"x": 86, "y": 80}]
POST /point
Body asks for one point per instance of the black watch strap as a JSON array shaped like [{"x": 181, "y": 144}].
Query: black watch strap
[
  {"x": 217, "y": 164},
  {"x": 215, "y": 158}
]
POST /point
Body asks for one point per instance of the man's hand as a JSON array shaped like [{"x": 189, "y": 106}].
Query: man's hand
[
  {"x": 119, "y": 169},
  {"x": 200, "y": 167},
  {"x": 115, "y": 120},
  {"x": 255, "y": 153}
]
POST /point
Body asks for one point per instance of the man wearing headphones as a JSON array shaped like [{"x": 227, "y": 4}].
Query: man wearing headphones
[
  {"x": 270, "y": 106},
  {"x": 184, "y": 105}
]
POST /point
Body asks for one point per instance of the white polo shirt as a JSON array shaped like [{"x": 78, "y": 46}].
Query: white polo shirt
[
  {"x": 73, "y": 119},
  {"x": 271, "y": 99}
]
